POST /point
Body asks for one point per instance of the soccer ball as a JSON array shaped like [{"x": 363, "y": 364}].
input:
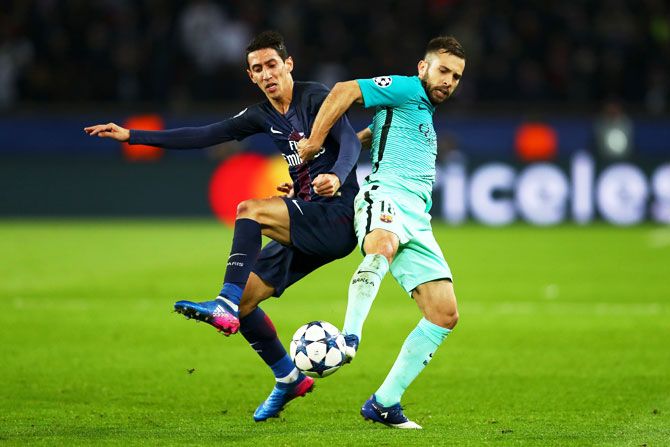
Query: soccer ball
[{"x": 317, "y": 349}]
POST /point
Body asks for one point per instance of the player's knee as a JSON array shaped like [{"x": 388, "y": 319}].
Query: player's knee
[
  {"x": 450, "y": 320},
  {"x": 446, "y": 319},
  {"x": 248, "y": 209},
  {"x": 443, "y": 310},
  {"x": 383, "y": 246},
  {"x": 388, "y": 251}
]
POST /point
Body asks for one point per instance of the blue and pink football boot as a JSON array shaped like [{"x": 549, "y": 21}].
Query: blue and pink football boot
[{"x": 221, "y": 313}]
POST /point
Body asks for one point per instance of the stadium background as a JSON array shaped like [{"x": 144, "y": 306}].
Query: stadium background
[
  {"x": 542, "y": 85},
  {"x": 561, "y": 120}
]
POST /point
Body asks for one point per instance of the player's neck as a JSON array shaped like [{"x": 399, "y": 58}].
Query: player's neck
[{"x": 283, "y": 102}]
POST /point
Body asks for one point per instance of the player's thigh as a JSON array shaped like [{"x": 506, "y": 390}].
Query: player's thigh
[
  {"x": 437, "y": 301},
  {"x": 280, "y": 266},
  {"x": 419, "y": 261},
  {"x": 255, "y": 292},
  {"x": 272, "y": 215},
  {"x": 322, "y": 229}
]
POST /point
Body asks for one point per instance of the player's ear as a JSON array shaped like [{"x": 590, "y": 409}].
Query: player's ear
[
  {"x": 251, "y": 76},
  {"x": 422, "y": 67},
  {"x": 289, "y": 64}
]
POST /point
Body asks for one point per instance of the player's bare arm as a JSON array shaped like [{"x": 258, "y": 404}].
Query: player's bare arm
[
  {"x": 338, "y": 101},
  {"x": 365, "y": 137},
  {"x": 109, "y": 130}
]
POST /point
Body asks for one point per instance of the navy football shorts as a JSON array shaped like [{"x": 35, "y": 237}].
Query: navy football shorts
[{"x": 320, "y": 233}]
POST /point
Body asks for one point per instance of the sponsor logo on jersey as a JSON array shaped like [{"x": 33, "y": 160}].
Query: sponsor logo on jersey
[
  {"x": 294, "y": 158},
  {"x": 383, "y": 81},
  {"x": 428, "y": 131}
]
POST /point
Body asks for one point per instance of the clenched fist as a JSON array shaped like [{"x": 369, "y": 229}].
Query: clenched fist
[{"x": 326, "y": 185}]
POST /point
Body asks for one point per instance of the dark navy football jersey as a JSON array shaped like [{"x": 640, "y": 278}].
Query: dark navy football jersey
[{"x": 338, "y": 155}]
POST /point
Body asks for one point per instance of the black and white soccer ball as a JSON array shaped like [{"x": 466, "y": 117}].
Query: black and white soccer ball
[{"x": 317, "y": 349}]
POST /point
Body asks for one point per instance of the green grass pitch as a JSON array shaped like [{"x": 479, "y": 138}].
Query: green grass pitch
[{"x": 564, "y": 339}]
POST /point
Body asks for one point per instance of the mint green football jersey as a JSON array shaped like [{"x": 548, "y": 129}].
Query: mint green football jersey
[{"x": 404, "y": 143}]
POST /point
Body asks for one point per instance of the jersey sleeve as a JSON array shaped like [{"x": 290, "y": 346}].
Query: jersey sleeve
[
  {"x": 390, "y": 91},
  {"x": 318, "y": 93},
  {"x": 341, "y": 132},
  {"x": 238, "y": 127},
  {"x": 350, "y": 148}
]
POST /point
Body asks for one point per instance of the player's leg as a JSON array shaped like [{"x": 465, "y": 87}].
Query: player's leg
[
  {"x": 271, "y": 214},
  {"x": 422, "y": 271},
  {"x": 255, "y": 217},
  {"x": 379, "y": 227},
  {"x": 269, "y": 217},
  {"x": 277, "y": 268},
  {"x": 258, "y": 329},
  {"x": 380, "y": 246},
  {"x": 437, "y": 301}
]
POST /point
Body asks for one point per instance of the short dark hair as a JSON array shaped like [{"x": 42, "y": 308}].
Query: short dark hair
[
  {"x": 268, "y": 39},
  {"x": 445, "y": 44}
]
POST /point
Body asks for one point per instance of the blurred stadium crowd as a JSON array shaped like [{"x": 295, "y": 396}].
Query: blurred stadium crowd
[{"x": 165, "y": 52}]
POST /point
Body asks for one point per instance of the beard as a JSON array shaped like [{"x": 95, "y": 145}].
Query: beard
[{"x": 430, "y": 89}]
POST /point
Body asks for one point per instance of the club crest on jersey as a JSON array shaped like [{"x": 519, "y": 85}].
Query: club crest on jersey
[
  {"x": 386, "y": 218},
  {"x": 387, "y": 212},
  {"x": 382, "y": 81}
]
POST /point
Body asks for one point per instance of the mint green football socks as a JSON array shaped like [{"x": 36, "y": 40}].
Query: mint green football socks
[
  {"x": 363, "y": 289},
  {"x": 416, "y": 352}
]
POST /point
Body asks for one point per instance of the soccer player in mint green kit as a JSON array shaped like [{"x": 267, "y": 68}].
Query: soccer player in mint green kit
[{"x": 392, "y": 210}]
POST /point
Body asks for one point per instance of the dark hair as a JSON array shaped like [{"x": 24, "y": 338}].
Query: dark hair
[
  {"x": 445, "y": 44},
  {"x": 268, "y": 39}
]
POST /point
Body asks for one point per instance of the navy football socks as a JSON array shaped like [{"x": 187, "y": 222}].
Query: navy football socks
[
  {"x": 243, "y": 253},
  {"x": 258, "y": 330}
]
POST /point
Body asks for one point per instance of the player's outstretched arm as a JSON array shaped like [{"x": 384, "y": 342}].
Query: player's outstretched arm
[
  {"x": 338, "y": 101},
  {"x": 109, "y": 130},
  {"x": 238, "y": 127}
]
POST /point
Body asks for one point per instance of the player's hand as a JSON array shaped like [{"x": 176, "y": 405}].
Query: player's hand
[
  {"x": 326, "y": 185},
  {"x": 109, "y": 130},
  {"x": 307, "y": 149},
  {"x": 286, "y": 189}
]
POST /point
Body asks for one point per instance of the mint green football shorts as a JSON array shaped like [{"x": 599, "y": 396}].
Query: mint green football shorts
[{"x": 419, "y": 258}]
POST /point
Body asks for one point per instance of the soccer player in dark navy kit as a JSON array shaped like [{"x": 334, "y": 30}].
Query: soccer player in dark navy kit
[{"x": 311, "y": 225}]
